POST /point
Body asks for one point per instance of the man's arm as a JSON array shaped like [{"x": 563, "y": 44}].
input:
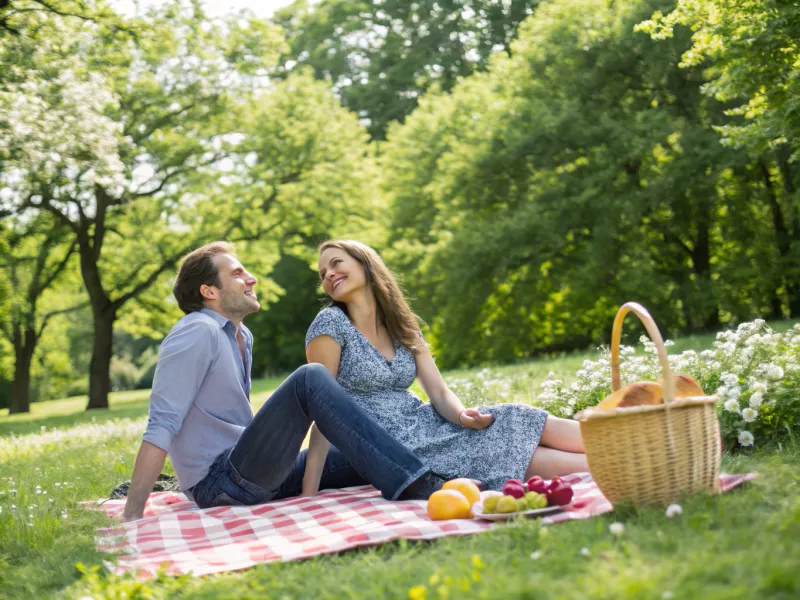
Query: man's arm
[
  {"x": 146, "y": 469},
  {"x": 183, "y": 361}
]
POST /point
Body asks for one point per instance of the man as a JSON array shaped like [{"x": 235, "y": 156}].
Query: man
[{"x": 200, "y": 410}]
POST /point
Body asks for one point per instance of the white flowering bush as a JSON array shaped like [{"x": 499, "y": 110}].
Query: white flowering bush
[
  {"x": 474, "y": 390},
  {"x": 754, "y": 370}
]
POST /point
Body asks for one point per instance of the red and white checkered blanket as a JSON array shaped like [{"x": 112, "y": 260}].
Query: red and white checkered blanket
[{"x": 176, "y": 534}]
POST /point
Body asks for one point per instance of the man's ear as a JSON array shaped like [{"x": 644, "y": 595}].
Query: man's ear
[{"x": 208, "y": 292}]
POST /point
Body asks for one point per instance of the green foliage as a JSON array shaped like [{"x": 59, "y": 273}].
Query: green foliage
[
  {"x": 279, "y": 329},
  {"x": 177, "y": 138},
  {"x": 754, "y": 54},
  {"x": 382, "y": 57},
  {"x": 579, "y": 173}
]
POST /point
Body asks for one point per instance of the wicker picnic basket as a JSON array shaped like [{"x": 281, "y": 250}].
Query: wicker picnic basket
[{"x": 651, "y": 454}]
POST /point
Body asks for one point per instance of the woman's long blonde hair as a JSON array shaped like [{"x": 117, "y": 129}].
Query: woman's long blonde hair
[{"x": 393, "y": 310}]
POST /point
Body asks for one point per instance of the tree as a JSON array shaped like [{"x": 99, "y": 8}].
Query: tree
[
  {"x": 36, "y": 257},
  {"x": 383, "y": 56},
  {"x": 14, "y": 14},
  {"x": 169, "y": 147},
  {"x": 579, "y": 173},
  {"x": 754, "y": 57},
  {"x": 164, "y": 164}
]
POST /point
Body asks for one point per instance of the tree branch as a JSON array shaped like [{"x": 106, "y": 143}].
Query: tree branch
[
  {"x": 143, "y": 285},
  {"x": 179, "y": 169},
  {"x": 59, "y": 267},
  {"x": 164, "y": 120},
  {"x": 46, "y": 205},
  {"x": 48, "y": 316}
]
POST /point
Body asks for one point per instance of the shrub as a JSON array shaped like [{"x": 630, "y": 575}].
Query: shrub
[
  {"x": 79, "y": 387},
  {"x": 124, "y": 374},
  {"x": 754, "y": 371}
]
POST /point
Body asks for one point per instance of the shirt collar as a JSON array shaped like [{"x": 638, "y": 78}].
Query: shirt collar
[{"x": 223, "y": 321}]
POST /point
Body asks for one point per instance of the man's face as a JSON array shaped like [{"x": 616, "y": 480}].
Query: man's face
[{"x": 235, "y": 295}]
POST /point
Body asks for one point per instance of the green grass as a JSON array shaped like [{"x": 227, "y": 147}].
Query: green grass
[{"x": 739, "y": 545}]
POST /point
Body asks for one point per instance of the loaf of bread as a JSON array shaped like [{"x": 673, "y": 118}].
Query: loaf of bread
[
  {"x": 643, "y": 393},
  {"x": 686, "y": 386},
  {"x": 640, "y": 393}
]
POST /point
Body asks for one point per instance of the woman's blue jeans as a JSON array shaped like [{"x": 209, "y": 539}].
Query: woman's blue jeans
[{"x": 267, "y": 464}]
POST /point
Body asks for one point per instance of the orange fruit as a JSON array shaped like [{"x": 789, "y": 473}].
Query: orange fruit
[
  {"x": 448, "y": 504},
  {"x": 466, "y": 487}
]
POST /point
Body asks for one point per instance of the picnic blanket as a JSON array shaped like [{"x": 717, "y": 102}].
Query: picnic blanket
[{"x": 180, "y": 537}]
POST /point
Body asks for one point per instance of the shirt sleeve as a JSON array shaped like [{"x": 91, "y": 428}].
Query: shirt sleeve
[
  {"x": 184, "y": 360},
  {"x": 329, "y": 322}
]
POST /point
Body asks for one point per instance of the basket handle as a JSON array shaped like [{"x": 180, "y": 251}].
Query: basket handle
[{"x": 650, "y": 325}]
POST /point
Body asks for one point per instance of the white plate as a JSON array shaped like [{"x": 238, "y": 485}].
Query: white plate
[{"x": 477, "y": 510}]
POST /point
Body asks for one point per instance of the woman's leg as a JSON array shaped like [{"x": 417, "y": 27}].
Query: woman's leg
[
  {"x": 562, "y": 434},
  {"x": 548, "y": 463}
]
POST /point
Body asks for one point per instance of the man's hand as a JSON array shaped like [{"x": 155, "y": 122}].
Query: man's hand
[
  {"x": 149, "y": 462},
  {"x": 471, "y": 418}
]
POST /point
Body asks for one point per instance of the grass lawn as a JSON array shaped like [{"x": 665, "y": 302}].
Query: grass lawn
[{"x": 739, "y": 545}]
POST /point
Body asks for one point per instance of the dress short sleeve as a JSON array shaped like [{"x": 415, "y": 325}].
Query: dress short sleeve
[{"x": 329, "y": 321}]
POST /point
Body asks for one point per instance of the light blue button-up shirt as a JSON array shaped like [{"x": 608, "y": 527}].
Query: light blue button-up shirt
[{"x": 200, "y": 402}]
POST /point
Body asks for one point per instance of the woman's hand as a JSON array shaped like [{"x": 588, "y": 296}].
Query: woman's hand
[{"x": 471, "y": 418}]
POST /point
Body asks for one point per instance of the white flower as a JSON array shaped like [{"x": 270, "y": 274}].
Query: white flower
[
  {"x": 616, "y": 528},
  {"x": 758, "y": 386},
  {"x": 536, "y": 555},
  {"x": 732, "y": 406},
  {"x": 667, "y": 595},
  {"x": 674, "y": 510},
  {"x": 773, "y": 372},
  {"x": 749, "y": 414},
  {"x": 756, "y": 399},
  {"x": 729, "y": 379},
  {"x": 733, "y": 393},
  {"x": 585, "y": 551},
  {"x": 13, "y": 491},
  {"x": 746, "y": 438}
]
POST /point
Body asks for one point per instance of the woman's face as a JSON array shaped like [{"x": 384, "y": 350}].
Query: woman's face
[{"x": 341, "y": 274}]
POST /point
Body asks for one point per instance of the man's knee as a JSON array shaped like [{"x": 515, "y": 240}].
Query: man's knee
[{"x": 315, "y": 375}]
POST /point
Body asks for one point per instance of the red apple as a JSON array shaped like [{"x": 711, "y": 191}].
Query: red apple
[
  {"x": 555, "y": 481},
  {"x": 537, "y": 484},
  {"x": 513, "y": 487},
  {"x": 559, "y": 495}
]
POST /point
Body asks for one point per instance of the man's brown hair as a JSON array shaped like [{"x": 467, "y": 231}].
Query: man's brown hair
[{"x": 198, "y": 268}]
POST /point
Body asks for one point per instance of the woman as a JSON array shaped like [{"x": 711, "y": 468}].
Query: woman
[{"x": 369, "y": 339}]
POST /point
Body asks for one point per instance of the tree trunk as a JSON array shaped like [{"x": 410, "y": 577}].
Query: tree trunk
[
  {"x": 24, "y": 346},
  {"x": 793, "y": 290},
  {"x": 99, "y": 368},
  {"x": 783, "y": 236},
  {"x": 701, "y": 262},
  {"x": 776, "y": 306}
]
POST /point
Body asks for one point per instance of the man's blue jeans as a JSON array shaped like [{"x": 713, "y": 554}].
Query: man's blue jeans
[{"x": 266, "y": 462}]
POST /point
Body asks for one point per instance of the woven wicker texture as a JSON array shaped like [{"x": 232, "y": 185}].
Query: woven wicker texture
[{"x": 652, "y": 454}]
